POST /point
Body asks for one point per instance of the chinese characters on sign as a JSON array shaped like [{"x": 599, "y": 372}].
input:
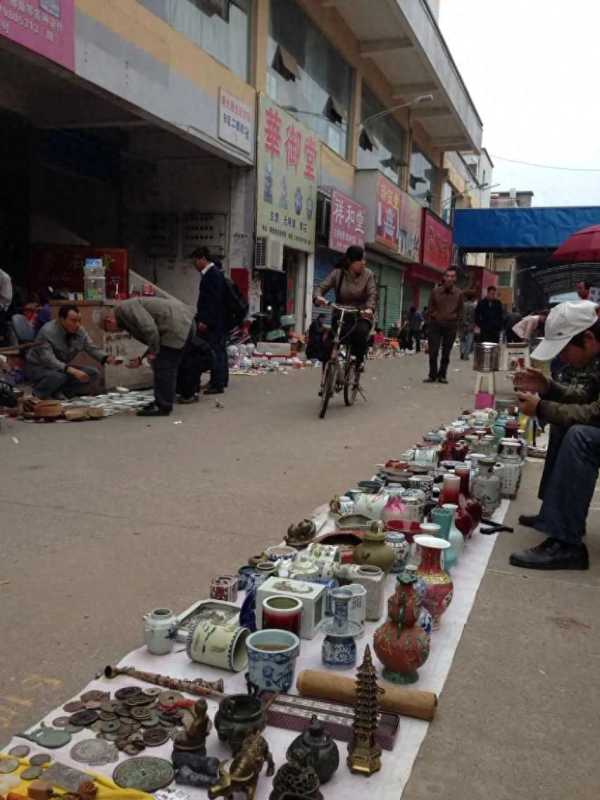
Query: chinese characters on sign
[
  {"x": 236, "y": 121},
  {"x": 347, "y": 222},
  {"x": 287, "y": 173},
  {"x": 44, "y": 26},
  {"x": 388, "y": 204},
  {"x": 409, "y": 228},
  {"x": 437, "y": 243}
]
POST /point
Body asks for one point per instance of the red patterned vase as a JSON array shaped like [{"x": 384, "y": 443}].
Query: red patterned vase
[
  {"x": 401, "y": 644},
  {"x": 439, "y": 584}
]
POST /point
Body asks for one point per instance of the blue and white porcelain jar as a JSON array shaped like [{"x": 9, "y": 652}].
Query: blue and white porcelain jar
[
  {"x": 339, "y": 645},
  {"x": 272, "y": 658}
]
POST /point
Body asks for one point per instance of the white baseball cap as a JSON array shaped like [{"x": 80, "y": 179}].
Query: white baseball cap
[{"x": 564, "y": 322}]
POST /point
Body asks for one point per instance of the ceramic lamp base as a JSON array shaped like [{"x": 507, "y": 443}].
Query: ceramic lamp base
[{"x": 400, "y": 677}]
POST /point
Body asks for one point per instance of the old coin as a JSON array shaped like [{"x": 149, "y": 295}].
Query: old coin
[
  {"x": 141, "y": 713},
  {"x": 169, "y": 698},
  {"x": 84, "y": 718},
  {"x": 8, "y": 765},
  {"x": 150, "y": 722},
  {"x": 110, "y": 726},
  {"x": 31, "y": 773},
  {"x": 121, "y": 710},
  {"x": 65, "y": 777},
  {"x": 72, "y": 707},
  {"x": 61, "y": 722},
  {"x": 106, "y": 715},
  {"x": 155, "y": 737},
  {"x": 108, "y": 707},
  {"x": 127, "y": 691},
  {"x": 94, "y": 752},
  {"x": 153, "y": 691},
  {"x": 93, "y": 705},
  {"x": 20, "y": 751},
  {"x": 145, "y": 773},
  {"x": 40, "y": 759}
]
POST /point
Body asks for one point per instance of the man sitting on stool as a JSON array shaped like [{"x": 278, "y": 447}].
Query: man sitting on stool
[
  {"x": 49, "y": 360},
  {"x": 571, "y": 469}
]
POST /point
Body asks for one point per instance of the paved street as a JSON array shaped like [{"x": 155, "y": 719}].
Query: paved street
[{"x": 103, "y": 521}]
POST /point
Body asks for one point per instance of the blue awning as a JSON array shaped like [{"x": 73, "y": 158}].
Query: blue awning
[{"x": 491, "y": 229}]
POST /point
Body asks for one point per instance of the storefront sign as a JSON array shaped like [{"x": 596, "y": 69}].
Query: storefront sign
[
  {"x": 44, "y": 26},
  {"x": 235, "y": 121},
  {"x": 409, "y": 228},
  {"x": 388, "y": 208},
  {"x": 287, "y": 170},
  {"x": 347, "y": 222},
  {"x": 437, "y": 242}
]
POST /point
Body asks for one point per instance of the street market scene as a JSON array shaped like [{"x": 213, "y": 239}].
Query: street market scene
[{"x": 299, "y": 401}]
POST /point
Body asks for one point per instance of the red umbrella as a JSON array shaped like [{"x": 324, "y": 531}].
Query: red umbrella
[{"x": 581, "y": 247}]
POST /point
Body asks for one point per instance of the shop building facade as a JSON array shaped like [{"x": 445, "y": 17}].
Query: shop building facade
[{"x": 273, "y": 131}]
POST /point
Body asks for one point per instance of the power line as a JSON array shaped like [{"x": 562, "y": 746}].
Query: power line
[{"x": 547, "y": 166}]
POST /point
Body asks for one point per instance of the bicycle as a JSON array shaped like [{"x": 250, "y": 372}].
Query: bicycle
[{"x": 341, "y": 372}]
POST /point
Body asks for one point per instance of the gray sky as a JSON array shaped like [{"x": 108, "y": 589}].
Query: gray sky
[{"x": 532, "y": 68}]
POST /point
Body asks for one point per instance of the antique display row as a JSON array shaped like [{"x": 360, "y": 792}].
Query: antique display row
[{"x": 413, "y": 520}]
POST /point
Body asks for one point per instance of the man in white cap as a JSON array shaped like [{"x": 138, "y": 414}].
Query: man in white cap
[{"x": 572, "y": 331}]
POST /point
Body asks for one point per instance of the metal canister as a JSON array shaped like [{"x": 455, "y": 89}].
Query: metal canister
[{"x": 487, "y": 357}]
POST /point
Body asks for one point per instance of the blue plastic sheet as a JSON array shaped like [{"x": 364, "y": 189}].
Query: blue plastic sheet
[{"x": 485, "y": 229}]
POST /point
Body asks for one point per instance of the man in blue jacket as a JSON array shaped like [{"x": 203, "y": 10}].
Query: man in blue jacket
[{"x": 210, "y": 316}]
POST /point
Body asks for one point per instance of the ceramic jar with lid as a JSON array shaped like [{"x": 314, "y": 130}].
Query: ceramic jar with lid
[
  {"x": 509, "y": 457},
  {"x": 486, "y": 486},
  {"x": 317, "y": 749},
  {"x": 374, "y": 551},
  {"x": 397, "y": 541}
]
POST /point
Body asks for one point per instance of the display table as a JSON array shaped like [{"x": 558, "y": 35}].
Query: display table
[
  {"x": 389, "y": 783},
  {"x": 115, "y": 344}
]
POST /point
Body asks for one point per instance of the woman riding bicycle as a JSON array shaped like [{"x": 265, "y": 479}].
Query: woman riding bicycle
[{"x": 355, "y": 287}]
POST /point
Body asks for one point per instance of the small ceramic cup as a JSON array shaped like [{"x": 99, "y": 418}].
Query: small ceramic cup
[
  {"x": 272, "y": 658},
  {"x": 282, "y": 613}
]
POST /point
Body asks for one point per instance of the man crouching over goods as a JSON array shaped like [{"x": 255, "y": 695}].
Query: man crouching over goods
[{"x": 571, "y": 469}]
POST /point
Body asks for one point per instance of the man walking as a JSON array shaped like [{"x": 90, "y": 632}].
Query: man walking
[
  {"x": 571, "y": 467},
  {"x": 467, "y": 325},
  {"x": 210, "y": 316},
  {"x": 445, "y": 310},
  {"x": 164, "y": 326},
  {"x": 415, "y": 324},
  {"x": 489, "y": 317}
]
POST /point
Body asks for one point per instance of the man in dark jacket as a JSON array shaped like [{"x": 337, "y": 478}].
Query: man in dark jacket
[
  {"x": 164, "y": 326},
  {"x": 445, "y": 311},
  {"x": 210, "y": 316},
  {"x": 571, "y": 469},
  {"x": 489, "y": 317}
]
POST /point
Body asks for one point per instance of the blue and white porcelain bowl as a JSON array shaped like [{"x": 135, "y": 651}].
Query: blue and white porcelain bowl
[{"x": 272, "y": 658}]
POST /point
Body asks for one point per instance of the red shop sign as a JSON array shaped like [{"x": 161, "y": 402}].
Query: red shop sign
[
  {"x": 436, "y": 242},
  {"x": 45, "y": 26},
  {"x": 347, "y": 222},
  {"x": 388, "y": 213}
]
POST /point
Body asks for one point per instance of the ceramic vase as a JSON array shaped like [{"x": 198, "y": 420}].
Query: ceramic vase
[
  {"x": 405, "y": 513},
  {"x": 371, "y": 505},
  {"x": 282, "y": 613},
  {"x": 450, "y": 489},
  {"x": 401, "y": 644},
  {"x": 272, "y": 658},
  {"x": 439, "y": 583},
  {"x": 455, "y": 537},
  {"x": 469, "y": 503},
  {"x": 487, "y": 486},
  {"x": 511, "y": 467},
  {"x": 401, "y": 548},
  {"x": 339, "y": 645},
  {"x": 374, "y": 551},
  {"x": 443, "y": 518}
]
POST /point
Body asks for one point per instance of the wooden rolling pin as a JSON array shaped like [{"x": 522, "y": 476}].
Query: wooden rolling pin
[{"x": 328, "y": 686}]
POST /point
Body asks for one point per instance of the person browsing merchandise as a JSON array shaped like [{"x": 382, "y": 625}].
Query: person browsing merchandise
[
  {"x": 489, "y": 317},
  {"x": 210, "y": 316},
  {"x": 571, "y": 468},
  {"x": 445, "y": 312}
]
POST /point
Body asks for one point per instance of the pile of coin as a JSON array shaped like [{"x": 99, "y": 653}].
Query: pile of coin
[{"x": 133, "y": 719}]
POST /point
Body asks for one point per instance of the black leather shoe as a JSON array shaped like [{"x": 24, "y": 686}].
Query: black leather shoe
[
  {"x": 153, "y": 411},
  {"x": 552, "y": 554},
  {"x": 430, "y": 380},
  {"x": 214, "y": 390},
  {"x": 528, "y": 520},
  {"x": 442, "y": 380}
]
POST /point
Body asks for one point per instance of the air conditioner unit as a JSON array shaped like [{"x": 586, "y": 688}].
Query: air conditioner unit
[{"x": 268, "y": 254}]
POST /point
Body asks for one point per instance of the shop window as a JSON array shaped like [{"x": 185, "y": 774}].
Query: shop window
[
  {"x": 421, "y": 178},
  {"x": 381, "y": 142},
  {"x": 220, "y": 27},
  {"x": 307, "y": 76}
]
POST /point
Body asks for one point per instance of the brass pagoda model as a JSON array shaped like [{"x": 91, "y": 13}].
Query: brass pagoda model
[{"x": 364, "y": 756}]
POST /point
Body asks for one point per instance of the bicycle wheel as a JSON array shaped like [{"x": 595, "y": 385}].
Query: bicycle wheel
[
  {"x": 328, "y": 387},
  {"x": 351, "y": 383}
]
